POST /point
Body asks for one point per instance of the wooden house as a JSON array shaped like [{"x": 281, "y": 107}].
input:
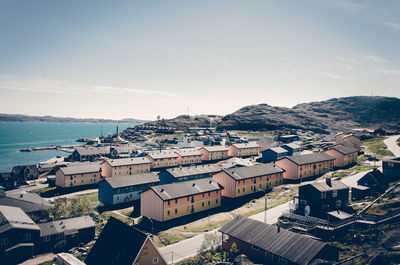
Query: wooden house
[
  {"x": 273, "y": 154},
  {"x": 292, "y": 148},
  {"x": 344, "y": 155},
  {"x": 188, "y": 156},
  {"x": 243, "y": 149},
  {"x": 78, "y": 175},
  {"x": 162, "y": 159},
  {"x": 124, "y": 189},
  {"x": 125, "y": 166},
  {"x": 242, "y": 181},
  {"x": 211, "y": 153},
  {"x": 177, "y": 174},
  {"x": 305, "y": 166},
  {"x": 170, "y": 201}
]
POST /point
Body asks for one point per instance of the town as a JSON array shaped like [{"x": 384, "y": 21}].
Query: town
[{"x": 158, "y": 195}]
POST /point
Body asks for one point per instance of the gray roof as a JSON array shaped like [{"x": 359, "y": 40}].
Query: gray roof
[
  {"x": 180, "y": 172},
  {"x": 68, "y": 226},
  {"x": 84, "y": 151},
  {"x": 215, "y": 148},
  {"x": 293, "y": 146},
  {"x": 310, "y": 158},
  {"x": 278, "y": 150},
  {"x": 345, "y": 149},
  {"x": 28, "y": 202},
  {"x": 14, "y": 217},
  {"x": 188, "y": 152},
  {"x": 132, "y": 180},
  {"x": 127, "y": 161},
  {"x": 162, "y": 154},
  {"x": 246, "y": 145},
  {"x": 239, "y": 173},
  {"x": 80, "y": 168},
  {"x": 294, "y": 247},
  {"x": 323, "y": 186},
  {"x": 185, "y": 188}
]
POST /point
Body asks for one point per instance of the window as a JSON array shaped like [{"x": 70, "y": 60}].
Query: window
[
  {"x": 26, "y": 236},
  {"x": 155, "y": 260},
  {"x": 46, "y": 239},
  {"x": 238, "y": 190},
  {"x": 176, "y": 211},
  {"x": 4, "y": 241},
  {"x": 323, "y": 195},
  {"x": 216, "y": 201},
  {"x": 202, "y": 204},
  {"x": 176, "y": 201},
  {"x": 323, "y": 206},
  {"x": 59, "y": 236},
  {"x": 168, "y": 213},
  {"x": 202, "y": 195},
  {"x": 338, "y": 204},
  {"x": 209, "y": 193},
  {"x": 334, "y": 193},
  {"x": 169, "y": 203},
  {"x": 187, "y": 198},
  {"x": 187, "y": 208},
  {"x": 209, "y": 203},
  {"x": 244, "y": 189}
]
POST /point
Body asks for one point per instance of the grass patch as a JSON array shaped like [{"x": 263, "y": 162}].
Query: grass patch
[
  {"x": 207, "y": 227},
  {"x": 44, "y": 174},
  {"x": 43, "y": 190},
  {"x": 362, "y": 168},
  {"x": 102, "y": 219},
  {"x": 377, "y": 146},
  {"x": 167, "y": 238}
]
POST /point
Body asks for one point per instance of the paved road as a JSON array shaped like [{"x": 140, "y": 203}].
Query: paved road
[{"x": 391, "y": 143}]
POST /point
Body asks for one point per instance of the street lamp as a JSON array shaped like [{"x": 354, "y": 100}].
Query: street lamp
[{"x": 265, "y": 205}]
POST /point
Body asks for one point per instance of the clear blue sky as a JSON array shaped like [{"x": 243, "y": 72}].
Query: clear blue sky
[{"x": 117, "y": 59}]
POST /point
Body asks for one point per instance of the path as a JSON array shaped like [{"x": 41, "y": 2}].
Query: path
[
  {"x": 391, "y": 143},
  {"x": 39, "y": 259}
]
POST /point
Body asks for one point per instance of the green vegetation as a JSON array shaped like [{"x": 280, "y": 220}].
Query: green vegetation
[
  {"x": 44, "y": 174},
  {"x": 102, "y": 219},
  {"x": 43, "y": 190},
  {"x": 377, "y": 146},
  {"x": 362, "y": 168},
  {"x": 69, "y": 208}
]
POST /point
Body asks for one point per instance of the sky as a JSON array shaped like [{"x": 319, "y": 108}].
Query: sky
[{"x": 140, "y": 59}]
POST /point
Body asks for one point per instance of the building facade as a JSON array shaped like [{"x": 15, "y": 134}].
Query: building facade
[
  {"x": 178, "y": 174},
  {"x": 170, "y": 201},
  {"x": 124, "y": 166},
  {"x": 247, "y": 180},
  {"x": 212, "y": 153},
  {"x": 344, "y": 155},
  {"x": 188, "y": 156},
  {"x": 78, "y": 175},
  {"x": 273, "y": 154},
  {"x": 162, "y": 159},
  {"x": 124, "y": 189},
  {"x": 243, "y": 149}
]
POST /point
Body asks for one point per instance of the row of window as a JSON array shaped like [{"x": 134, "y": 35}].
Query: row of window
[
  {"x": 334, "y": 194},
  {"x": 188, "y": 207},
  {"x": 260, "y": 186},
  {"x": 191, "y": 198}
]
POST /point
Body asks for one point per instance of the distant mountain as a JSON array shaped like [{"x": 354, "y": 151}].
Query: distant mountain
[
  {"x": 331, "y": 115},
  {"x": 27, "y": 118}
]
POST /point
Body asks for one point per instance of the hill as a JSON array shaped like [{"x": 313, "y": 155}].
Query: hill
[
  {"x": 331, "y": 115},
  {"x": 27, "y": 118}
]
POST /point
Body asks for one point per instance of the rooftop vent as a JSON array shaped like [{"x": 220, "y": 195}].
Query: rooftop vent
[
  {"x": 21, "y": 195},
  {"x": 162, "y": 190},
  {"x": 329, "y": 182},
  {"x": 194, "y": 184}
]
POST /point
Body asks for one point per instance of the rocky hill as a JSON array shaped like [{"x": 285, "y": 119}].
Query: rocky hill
[
  {"x": 27, "y": 118},
  {"x": 332, "y": 115}
]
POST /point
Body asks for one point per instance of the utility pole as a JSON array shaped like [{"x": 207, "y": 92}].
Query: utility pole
[{"x": 265, "y": 205}]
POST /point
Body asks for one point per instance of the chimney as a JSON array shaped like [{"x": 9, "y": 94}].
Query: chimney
[
  {"x": 329, "y": 182},
  {"x": 279, "y": 228},
  {"x": 21, "y": 195}
]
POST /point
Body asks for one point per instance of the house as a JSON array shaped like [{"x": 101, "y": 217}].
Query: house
[
  {"x": 122, "y": 151},
  {"x": 162, "y": 159},
  {"x": 372, "y": 183},
  {"x": 78, "y": 174},
  {"x": 124, "y": 166},
  {"x": 216, "y": 152},
  {"x": 391, "y": 167},
  {"x": 177, "y": 174},
  {"x": 323, "y": 197},
  {"x": 67, "y": 233},
  {"x": 288, "y": 138},
  {"x": 89, "y": 153},
  {"x": 8, "y": 181},
  {"x": 24, "y": 173},
  {"x": 19, "y": 235},
  {"x": 305, "y": 166},
  {"x": 292, "y": 148},
  {"x": 344, "y": 155},
  {"x": 170, "y": 201},
  {"x": 273, "y": 154},
  {"x": 124, "y": 189},
  {"x": 247, "y": 180},
  {"x": 237, "y": 162},
  {"x": 123, "y": 244},
  {"x": 28, "y": 202},
  {"x": 350, "y": 138},
  {"x": 269, "y": 244},
  {"x": 243, "y": 149},
  {"x": 188, "y": 156}
]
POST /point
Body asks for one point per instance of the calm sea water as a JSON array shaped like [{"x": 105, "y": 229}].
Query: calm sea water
[{"x": 18, "y": 135}]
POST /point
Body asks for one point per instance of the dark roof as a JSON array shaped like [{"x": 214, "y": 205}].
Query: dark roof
[
  {"x": 28, "y": 202},
  {"x": 294, "y": 247},
  {"x": 67, "y": 226},
  {"x": 239, "y": 173},
  {"x": 345, "y": 149},
  {"x": 80, "y": 168},
  {"x": 377, "y": 176},
  {"x": 180, "y": 172},
  {"x": 132, "y": 180},
  {"x": 118, "y": 244},
  {"x": 324, "y": 186},
  {"x": 127, "y": 161},
  {"x": 292, "y": 146},
  {"x": 309, "y": 158},
  {"x": 185, "y": 188},
  {"x": 162, "y": 154},
  {"x": 84, "y": 151},
  {"x": 14, "y": 217}
]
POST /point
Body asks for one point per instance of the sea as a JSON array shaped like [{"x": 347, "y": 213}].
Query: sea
[{"x": 15, "y": 136}]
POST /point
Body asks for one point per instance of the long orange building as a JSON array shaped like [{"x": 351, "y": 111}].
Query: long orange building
[
  {"x": 124, "y": 166},
  {"x": 244, "y": 149},
  {"x": 242, "y": 181},
  {"x": 78, "y": 174},
  {"x": 170, "y": 201},
  {"x": 344, "y": 155}
]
